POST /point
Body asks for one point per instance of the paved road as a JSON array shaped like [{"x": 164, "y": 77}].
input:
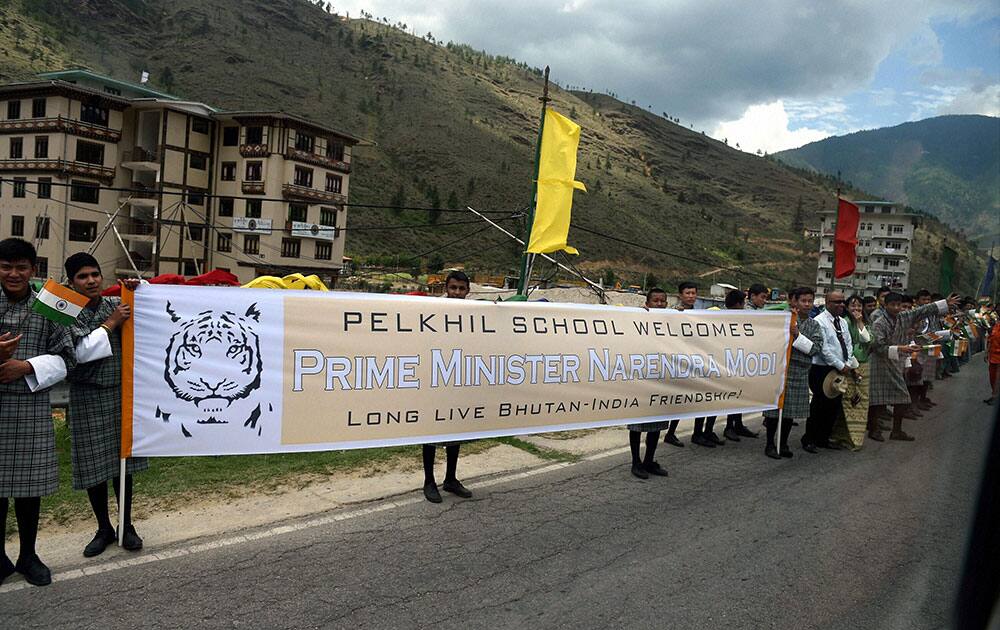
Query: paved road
[{"x": 731, "y": 540}]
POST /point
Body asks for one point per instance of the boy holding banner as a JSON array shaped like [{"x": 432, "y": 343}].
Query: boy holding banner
[
  {"x": 643, "y": 468},
  {"x": 703, "y": 435},
  {"x": 456, "y": 287},
  {"x": 29, "y": 468},
  {"x": 95, "y": 403}
]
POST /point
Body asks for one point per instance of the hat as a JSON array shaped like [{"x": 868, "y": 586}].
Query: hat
[{"x": 834, "y": 385}]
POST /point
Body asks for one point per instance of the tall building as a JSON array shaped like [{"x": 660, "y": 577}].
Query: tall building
[
  {"x": 189, "y": 187},
  {"x": 885, "y": 244}
]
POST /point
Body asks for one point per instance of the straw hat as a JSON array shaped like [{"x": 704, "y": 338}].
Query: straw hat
[{"x": 834, "y": 385}]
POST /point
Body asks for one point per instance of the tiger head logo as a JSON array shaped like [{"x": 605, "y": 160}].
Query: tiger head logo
[{"x": 213, "y": 359}]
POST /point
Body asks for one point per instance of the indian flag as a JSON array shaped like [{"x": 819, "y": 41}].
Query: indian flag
[{"x": 58, "y": 303}]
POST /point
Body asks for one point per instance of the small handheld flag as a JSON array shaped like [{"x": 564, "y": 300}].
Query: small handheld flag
[{"x": 58, "y": 303}]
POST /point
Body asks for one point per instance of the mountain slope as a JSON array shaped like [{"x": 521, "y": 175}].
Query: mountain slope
[
  {"x": 949, "y": 166},
  {"x": 457, "y": 127}
]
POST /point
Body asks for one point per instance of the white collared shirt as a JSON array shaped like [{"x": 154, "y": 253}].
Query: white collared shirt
[{"x": 831, "y": 353}]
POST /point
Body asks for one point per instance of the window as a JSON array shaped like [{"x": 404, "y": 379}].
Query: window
[
  {"x": 328, "y": 216},
  {"x": 254, "y": 171},
  {"x": 17, "y": 225},
  {"x": 199, "y": 125},
  {"x": 89, "y": 152},
  {"x": 230, "y": 136},
  {"x": 85, "y": 231},
  {"x": 224, "y": 242},
  {"x": 225, "y": 207},
  {"x": 41, "y": 227},
  {"x": 196, "y": 233},
  {"x": 255, "y": 135},
  {"x": 251, "y": 244},
  {"x": 228, "y": 172},
  {"x": 290, "y": 247},
  {"x": 892, "y": 263},
  {"x": 43, "y": 266},
  {"x": 897, "y": 229},
  {"x": 20, "y": 187},
  {"x": 38, "y": 108},
  {"x": 44, "y": 188},
  {"x": 41, "y": 147},
  {"x": 16, "y": 148},
  {"x": 112, "y": 91},
  {"x": 334, "y": 183},
  {"x": 323, "y": 250},
  {"x": 85, "y": 192},
  {"x": 303, "y": 177},
  {"x": 253, "y": 208},
  {"x": 195, "y": 199},
  {"x": 197, "y": 161},
  {"x": 298, "y": 212},
  {"x": 94, "y": 114},
  {"x": 335, "y": 150},
  {"x": 304, "y": 142},
  {"x": 13, "y": 110},
  {"x": 190, "y": 269}
]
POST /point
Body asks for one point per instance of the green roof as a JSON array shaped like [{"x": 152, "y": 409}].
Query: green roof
[{"x": 77, "y": 74}]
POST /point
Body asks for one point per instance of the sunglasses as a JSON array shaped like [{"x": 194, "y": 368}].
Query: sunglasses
[{"x": 836, "y": 301}]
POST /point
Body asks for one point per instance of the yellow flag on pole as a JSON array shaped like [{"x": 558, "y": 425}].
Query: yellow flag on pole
[{"x": 556, "y": 172}]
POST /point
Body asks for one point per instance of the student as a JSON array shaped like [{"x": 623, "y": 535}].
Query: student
[
  {"x": 643, "y": 468},
  {"x": 95, "y": 403},
  {"x": 868, "y": 305},
  {"x": 880, "y": 303},
  {"x": 687, "y": 296},
  {"x": 29, "y": 468},
  {"x": 888, "y": 351},
  {"x": 928, "y": 324},
  {"x": 736, "y": 300},
  {"x": 456, "y": 288},
  {"x": 757, "y": 296},
  {"x": 807, "y": 342}
]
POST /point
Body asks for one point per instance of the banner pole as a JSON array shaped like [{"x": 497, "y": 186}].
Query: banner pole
[
  {"x": 121, "y": 502},
  {"x": 833, "y": 256},
  {"x": 526, "y": 258}
]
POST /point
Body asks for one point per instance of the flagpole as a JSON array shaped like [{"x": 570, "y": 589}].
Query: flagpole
[
  {"x": 526, "y": 258},
  {"x": 833, "y": 240}
]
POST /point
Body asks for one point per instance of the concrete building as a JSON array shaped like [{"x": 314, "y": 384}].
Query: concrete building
[
  {"x": 885, "y": 244},
  {"x": 190, "y": 187}
]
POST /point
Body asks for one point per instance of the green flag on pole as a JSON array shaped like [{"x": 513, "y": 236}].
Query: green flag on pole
[{"x": 947, "y": 273}]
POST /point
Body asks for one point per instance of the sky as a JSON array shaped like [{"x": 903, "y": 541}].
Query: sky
[{"x": 768, "y": 75}]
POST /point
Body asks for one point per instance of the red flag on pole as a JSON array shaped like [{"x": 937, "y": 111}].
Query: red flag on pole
[{"x": 845, "y": 241}]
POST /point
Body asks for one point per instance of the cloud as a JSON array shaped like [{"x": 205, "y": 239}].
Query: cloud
[
  {"x": 984, "y": 99},
  {"x": 702, "y": 60},
  {"x": 766, "y": 128}
]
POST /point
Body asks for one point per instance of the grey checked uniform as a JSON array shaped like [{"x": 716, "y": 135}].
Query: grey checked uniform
[
  {"x": 797, "y": 383},
  {"x": 888, "y": 383},
  {"x": 95, "y": 406},
  {"x": 28, "y": 463}
]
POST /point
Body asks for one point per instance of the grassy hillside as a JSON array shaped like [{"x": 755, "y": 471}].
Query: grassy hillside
[
  {"x": 455, "y": 127},
  {"x": 949, "y": 165}
]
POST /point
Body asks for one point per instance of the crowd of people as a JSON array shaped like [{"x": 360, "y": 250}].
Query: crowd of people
[
  {"x": 858, "y": 366},
  {"x": 874, "y": 344}
]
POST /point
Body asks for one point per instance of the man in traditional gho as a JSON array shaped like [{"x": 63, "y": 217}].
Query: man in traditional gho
[
  {"x": 29, "y": 468},
  {"x": 807, "y": 342},
  {"x": 95, "y": 412},
  {"x": 643, "y": 468},
  {"x": 890, "y": 348},
  {"x": 687, "y": 296}
]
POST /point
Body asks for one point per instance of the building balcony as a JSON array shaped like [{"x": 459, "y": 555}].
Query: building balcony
[
  {"x": 60, "y": 125},
  {"x": 141, "y": 198},
  {"x": 317, "y": 160},
  {"x": 63, "y": 167},
  {"x": 254, "y": 150},
  {"x": 136, "y": 227},
  {"x": 141, "y": 159},
  {"x": 253, "y": 187},
  {"x": 293, "y": 191}
]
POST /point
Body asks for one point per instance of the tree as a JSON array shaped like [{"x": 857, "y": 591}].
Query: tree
[
  {"x": 398, "y": 200},
  {"x": 167, "y": 78},
  {"x": 797, "y": 222},
  {"x": 452, "y": 200},
  {"x": 608, "y": 277}
]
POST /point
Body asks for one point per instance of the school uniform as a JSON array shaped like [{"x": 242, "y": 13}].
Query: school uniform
[
  {"x": 95, "y": 399},
  {"x": 888, "y": 383},
  {"x": 808, "y": 344}
]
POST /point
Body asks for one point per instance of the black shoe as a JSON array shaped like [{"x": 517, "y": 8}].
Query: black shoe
[
  {"x": 712, "y": 437},
  {"x": 131, "y": 540},
  {"x": 742, "y": 431},
  {"x": 455, "y": 487},
  {"x": 730, "y": 434},
  {"x": 771, "y": 452},
  {"x": 809, "y": 447},
  {"x": 786, "y": 452},
  {"x": 901, "y": 436},
  {"x": 794, "y": 423},
  {"x": 6, "y": 568},
  {"x": 876, "y": 435},
  {"x": 102, "y": 539},
  {"x": 672, "y": 440},
  {"x": 988, "y": 401},
  {"x": 34, "y": 570},
  {"x": 701, "y": 440},
  {"x": 431, "y": 493},
  {"x": 831, "y": 446},
  {"x": 655, "y": 469},
  {"x": 639, "y": 471}
]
